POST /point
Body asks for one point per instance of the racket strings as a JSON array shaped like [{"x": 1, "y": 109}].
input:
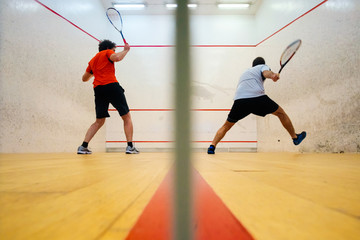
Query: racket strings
[
  {"x": 289, "y": 52},
  {"x": 114, "y": 18}
]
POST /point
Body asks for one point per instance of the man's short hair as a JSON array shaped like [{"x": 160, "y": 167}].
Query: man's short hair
[
  {"x": 258, "y": 61},
  {"x": 106, "y": 44}
]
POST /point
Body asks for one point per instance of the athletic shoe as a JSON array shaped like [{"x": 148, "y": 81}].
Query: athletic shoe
[
  {"x": 131, "y": 150},
  {"x": 211, "y": 149},
  {"x": 299, "y": 138},
  {"x": 83, "y": 150}
]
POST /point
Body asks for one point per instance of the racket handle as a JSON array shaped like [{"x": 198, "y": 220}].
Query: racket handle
[
  {"x": 280, "y": 70},
  {"x": 123, "y": 37}
]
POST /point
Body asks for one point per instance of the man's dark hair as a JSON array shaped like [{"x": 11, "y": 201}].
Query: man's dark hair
[
  {"x": 258, "y": 61},
  {"x": 106, "y": 44}
]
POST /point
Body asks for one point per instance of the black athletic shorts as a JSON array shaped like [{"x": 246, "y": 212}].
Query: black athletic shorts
[
  {"x": 110, "y": 93},
  {"x": 260, "y": 106}
]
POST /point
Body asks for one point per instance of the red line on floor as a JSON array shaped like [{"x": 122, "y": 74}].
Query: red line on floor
[
  {"x": 155, "y": 222},
  {"x": 195, "y": 45},
  {"x": 227, "y": 141},
  {"x": 223, "y": 46},
  {"x": 212, "y": 220},
  {"x": 171, "y": 109},
  {"x": 149, "y": 46},
  {"x": 164, "y": 141},
  {"x": 140, "y": 141}
]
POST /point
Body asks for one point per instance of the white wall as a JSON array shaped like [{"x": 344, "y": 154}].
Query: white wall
[
  {"x": 60, "y": 118},
  {"x": 149, "y": 73},
  {"x": 320, "y": 87},
  {"x": 44, "y": 105},
  {"x": 222, "y": 29},
  {"x": 275, "y": 14},
  {"x": 310, "y": 77},
  {"x": 46, "y": 108}
]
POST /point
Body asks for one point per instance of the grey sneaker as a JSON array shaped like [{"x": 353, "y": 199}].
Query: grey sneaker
[
  {"x": 131, "y": 150},
  {"x": 83, "y": 150}
]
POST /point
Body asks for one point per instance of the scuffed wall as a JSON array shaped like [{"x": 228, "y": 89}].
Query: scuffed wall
[
  {"x": 320, "y": 87},
  {"x": 45, "y": 107}
]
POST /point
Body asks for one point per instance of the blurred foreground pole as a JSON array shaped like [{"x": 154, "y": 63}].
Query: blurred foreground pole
[{"x": 183, "y": 203}]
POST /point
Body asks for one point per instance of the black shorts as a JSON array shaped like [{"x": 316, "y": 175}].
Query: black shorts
[
  {"x": 260, "y": 106},
  {"x": 110, "y": 93}
]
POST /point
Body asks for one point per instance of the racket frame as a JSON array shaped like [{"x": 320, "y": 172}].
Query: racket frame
[
  {"x": 119, "y": 30},
  {"x": 290, "y": 45}
]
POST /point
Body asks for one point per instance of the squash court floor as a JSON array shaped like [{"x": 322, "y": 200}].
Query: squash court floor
[{"x": 118, "y": 196}]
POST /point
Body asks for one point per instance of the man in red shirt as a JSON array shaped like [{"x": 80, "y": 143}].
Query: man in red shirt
[{"x": 107, "y": 90}]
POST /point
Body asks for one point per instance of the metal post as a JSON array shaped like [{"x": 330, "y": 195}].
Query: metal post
[{"x": 182, "y": 228}]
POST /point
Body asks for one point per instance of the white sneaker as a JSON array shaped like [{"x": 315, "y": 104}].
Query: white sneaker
[
  {"x": 83, "y": 150},
  {"x": 131, "y": 150}
]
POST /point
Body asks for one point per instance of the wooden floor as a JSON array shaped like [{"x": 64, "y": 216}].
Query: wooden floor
[{"x": 100, "y": 196}]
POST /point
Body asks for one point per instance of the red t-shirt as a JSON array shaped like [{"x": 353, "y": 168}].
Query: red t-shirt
[{"x": 102, "y": 68}]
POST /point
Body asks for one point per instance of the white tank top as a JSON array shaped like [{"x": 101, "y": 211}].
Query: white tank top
[{"x": 251, "y": 83}]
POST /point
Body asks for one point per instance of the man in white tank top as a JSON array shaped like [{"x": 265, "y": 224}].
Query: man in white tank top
[{"x": 250, "y": 98}]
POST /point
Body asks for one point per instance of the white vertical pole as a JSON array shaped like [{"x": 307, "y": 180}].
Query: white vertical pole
[{"x": 182, "y": 228}]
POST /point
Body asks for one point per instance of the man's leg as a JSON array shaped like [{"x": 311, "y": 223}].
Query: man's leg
[
  {"x": 128, "y": 129},
  {"x": 83, "y": 149},
  {"x": 286, "y": 122},
  {"x": 219, "y": 135},
  {"x": 93, "y": 129}
]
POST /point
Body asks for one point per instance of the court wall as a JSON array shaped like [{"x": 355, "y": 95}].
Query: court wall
[
  {"x": 319, "y": 88},
  {"x": 46, "y": 108},
  {"x": 148, "y": 79},
  {"x": 45, "y": 49}
]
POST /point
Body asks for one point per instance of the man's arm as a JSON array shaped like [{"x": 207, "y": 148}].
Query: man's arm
[
  {"x": 271, "y": 74},
  {"x": 86, "y": 77},
  {"x": 116, "y": 57}
]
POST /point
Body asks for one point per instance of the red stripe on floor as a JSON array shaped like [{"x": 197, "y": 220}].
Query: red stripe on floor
[
  {"x": 155, "y": 221},
  {"x": 155, "y": 141},
  {"x": 212, "y": 219}
]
